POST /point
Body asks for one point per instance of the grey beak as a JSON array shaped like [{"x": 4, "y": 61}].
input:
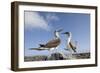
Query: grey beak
[
  {"x": 59, "y": 30},
  {"x": 65, "y": 33}
]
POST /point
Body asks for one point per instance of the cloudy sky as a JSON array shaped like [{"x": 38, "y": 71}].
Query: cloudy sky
[{"x": 40, "y": 27}]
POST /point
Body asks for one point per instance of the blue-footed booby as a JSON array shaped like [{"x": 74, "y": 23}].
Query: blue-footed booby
[
  {"x": 52, "y": 44},
  {"x": 70, "y": 44}
]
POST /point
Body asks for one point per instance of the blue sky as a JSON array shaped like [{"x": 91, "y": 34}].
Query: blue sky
[{"x": 40, "y": 26}]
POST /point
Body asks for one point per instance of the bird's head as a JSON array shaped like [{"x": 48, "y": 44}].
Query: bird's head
[
  {"x": 67, "y": 33},
  {"x": 56, "y": 32}
]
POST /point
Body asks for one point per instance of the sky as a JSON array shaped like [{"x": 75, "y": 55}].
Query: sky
[{"x": 39, "y": 28}]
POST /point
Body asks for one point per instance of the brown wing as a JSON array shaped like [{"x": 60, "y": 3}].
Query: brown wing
[
  {"x": 72, "y": 46},
  {"x": 53, "y": 43}
]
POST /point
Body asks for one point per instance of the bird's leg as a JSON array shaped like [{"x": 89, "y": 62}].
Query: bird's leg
[
  {"x": 71, "y": 54},
  {"x": 61, "y": 52},
  {"x": 52, "y": 50},
  {"x": 55, "y": 50},
  {"x": 49, "y": 54}
]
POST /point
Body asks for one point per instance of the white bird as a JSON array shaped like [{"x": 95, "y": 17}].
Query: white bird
[
  {"x": 52, "y": 44},
  {"x": 70, "y": 44}
]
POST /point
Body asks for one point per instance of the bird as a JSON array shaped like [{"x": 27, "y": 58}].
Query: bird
[
  {"x": 70, "y": 44},
  {"x": 51, "y": 44}
]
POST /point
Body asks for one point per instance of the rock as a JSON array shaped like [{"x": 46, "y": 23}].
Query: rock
[{"x": 56, "y": 56}]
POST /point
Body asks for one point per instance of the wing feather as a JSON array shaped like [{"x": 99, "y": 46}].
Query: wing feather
[
  {"x": 72, "y": 46},
  {"x": 53, "y": 43},
  {"x": 39, "y": 49}
]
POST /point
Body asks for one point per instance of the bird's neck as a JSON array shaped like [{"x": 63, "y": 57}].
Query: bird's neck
[
  {"x": 69, "y": 38},
  {"x": 57, "y": 35}
]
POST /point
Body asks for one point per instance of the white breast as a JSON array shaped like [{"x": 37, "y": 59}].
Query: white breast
[{"x": 68, "y": 40}]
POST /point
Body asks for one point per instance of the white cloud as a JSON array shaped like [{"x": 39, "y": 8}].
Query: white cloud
[
  {"x": 51, "y": 17},
  {"x": 34, "y": 20}
]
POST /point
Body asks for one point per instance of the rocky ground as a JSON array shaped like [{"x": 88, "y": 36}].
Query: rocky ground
[{"x": 57, "y": 56}]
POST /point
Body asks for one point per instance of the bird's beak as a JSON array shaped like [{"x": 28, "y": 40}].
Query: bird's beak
[
  {"x": 65, "y": 33},
  {"x": 60, "y": 30}
]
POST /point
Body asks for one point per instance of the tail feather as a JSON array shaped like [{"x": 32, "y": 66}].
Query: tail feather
[
  {"x": 74, "y": 49},
  {"x": 42, "y": 45}
]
